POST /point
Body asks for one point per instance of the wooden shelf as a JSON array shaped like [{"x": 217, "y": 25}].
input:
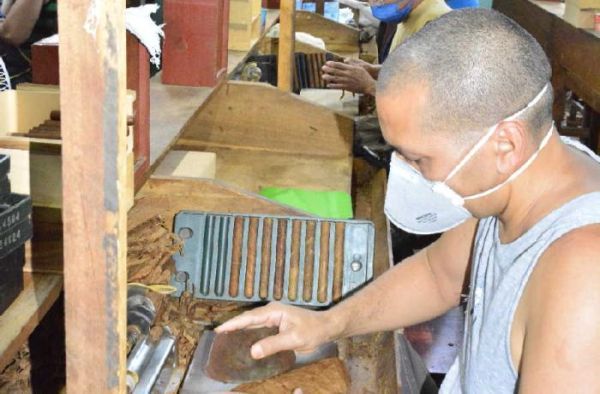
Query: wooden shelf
[{"x": 22, "y": 317}]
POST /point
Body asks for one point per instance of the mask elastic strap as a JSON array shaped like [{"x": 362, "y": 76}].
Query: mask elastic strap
[
  {"x": 519, "y": 171},
  {"x": 490, "y": 131}
]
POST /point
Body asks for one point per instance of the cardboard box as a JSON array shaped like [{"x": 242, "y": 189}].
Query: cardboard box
[
  {"x": 242, "y": 36},
  {"x": 583, "y": 19},
  {"x": 36, "y": 167},
  {"x": 583, "y": 4}
]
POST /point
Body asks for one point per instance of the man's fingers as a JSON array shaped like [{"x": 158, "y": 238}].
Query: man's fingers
[
  {"x": 338, "y": 86},
  {"x": 334, "y": 71},
  {"x": 273, "y": 344},
  {"x": 254, "y": 319},
  {"x": 338, "y": 65},
  {"x": 337, "y": 79}
]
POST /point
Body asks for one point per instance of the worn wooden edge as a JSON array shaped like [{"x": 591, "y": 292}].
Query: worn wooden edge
[
  {"x": 198, "y": 145},
  {"x": 253, "y": 85},
  {"x": 269, "y": 47},
  {"x": 37, "y": 145},
  {"x": 25, "y": 313},
  {"x": 371, "y": 359},
  {"x": 215, "y": 125},
  {"x": 167, "y": 195},
  {"x": 340, "y": 38}
]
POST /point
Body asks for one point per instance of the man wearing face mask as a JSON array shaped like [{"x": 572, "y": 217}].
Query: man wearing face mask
[
  {"x": 466, "y": 102},
  {"x": 358, "y": 76}
]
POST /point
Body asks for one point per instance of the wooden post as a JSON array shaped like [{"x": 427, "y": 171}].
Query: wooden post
[
  {"x": 285, "y": 61},
  {"x": 93, "y": 116},
  {"x": 320, "y": 7}
]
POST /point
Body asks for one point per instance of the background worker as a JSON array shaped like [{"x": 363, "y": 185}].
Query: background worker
[
  {"x": 24, "y": 22},
  {"x": 358, "y": 76}
]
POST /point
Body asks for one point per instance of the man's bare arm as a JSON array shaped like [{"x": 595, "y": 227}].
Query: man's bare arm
[
  {"x": 420, "y": 288},
  {"x": 20, "y": 20},
  {"x": 561, "y": 351}
]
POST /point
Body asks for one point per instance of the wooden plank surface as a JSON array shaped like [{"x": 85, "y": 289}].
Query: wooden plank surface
[
  {"x": 253, "y": 169},
  {"x": 337, "y": 36},
  {"x": 167, "y": 196},
  {"x": 20, "y": 319},
  {"x": 93, "y": 117},
  {"x": 370, "y": 359},
  {"x": 285, "y": 58},
  {"x": 171, "y": 107},
  {"x": 259, "y": 116}
]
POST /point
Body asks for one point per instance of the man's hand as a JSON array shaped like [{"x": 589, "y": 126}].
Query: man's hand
[
  {"x": 20, "y": 19},
  {"x": 300, "y": 329},
  {"x": 372, "y": 69},
  {"x": 351, "y": 77}
]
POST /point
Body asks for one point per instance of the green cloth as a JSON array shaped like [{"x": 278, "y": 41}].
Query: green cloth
[{"x": 328, "y": 205}]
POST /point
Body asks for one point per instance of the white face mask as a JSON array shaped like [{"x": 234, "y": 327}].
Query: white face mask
[{"x": 419, "y": 206}]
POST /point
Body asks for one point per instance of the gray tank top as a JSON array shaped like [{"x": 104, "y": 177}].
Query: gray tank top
[{"x": 499, "y": 275}]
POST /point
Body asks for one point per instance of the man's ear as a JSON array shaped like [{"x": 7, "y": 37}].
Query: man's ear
[{"x": 510, "y": 144}]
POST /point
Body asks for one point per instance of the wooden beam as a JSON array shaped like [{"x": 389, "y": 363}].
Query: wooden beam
[
  {"x": 320, "y": 7},
  {"x": 93, "y": 116},
  {"x": 339, "y": 38},
  {"x": 285, "y": 60}
]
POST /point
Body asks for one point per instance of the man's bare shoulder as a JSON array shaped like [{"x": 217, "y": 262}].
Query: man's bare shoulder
[
  {"x": 572, "y": 261},
  {"x": 562, "y": 340}
]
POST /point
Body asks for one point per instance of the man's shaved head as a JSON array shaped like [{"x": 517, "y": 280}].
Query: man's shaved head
[{"x": 477, "y": 67}]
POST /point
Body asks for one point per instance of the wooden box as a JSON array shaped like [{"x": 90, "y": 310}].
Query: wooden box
[
  {"x": 44, "y": 62},
  {"x": 271, "y": 4},
  {"x": 138, "y": 80},
  {"x": 195, "y": 48},
  {"x": 44, "y": 68},
  {"x": 244, "y": 11},
  {"x": 36, "y": 162},
  {"x": 244, "y": 24}
]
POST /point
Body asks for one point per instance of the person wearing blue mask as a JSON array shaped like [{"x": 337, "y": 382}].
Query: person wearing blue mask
[
  {"x": 458, "y": 4},
  {"x": 467, "y": 105},
  {"x": 358, "y": 76}
]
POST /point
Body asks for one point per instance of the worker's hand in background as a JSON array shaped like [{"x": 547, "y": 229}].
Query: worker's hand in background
[
  {"x": 350, "y": 77},
  {"x": 300, "y": 329},
  {"x": 372, "y": 69}
]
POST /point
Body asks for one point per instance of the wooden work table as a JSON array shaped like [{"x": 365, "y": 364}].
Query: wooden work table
[
  {"x": 574, "y": 53},
  {"x": 262, "y": 137},
  {"x": 25, "y": 313}
]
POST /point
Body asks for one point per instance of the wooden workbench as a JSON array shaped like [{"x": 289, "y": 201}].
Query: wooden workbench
[
  {"x": 291, "y": 151},
  {"x": 574, "y": 53},
  {"x": 263, "y": 136}
]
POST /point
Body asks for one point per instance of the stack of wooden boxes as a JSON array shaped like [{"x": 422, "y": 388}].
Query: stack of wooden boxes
[
  {"x": 244, "y": 24},
  {"x": 580, "y": 13}
]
